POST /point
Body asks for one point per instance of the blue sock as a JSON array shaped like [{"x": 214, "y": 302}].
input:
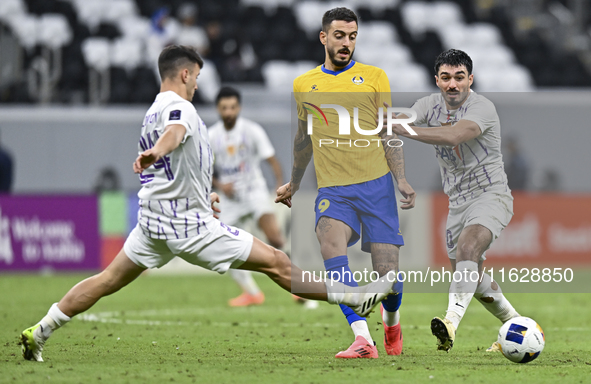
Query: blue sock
[
  {"x": 340, "y": 264},
  {"x": 392, "y": 302}
]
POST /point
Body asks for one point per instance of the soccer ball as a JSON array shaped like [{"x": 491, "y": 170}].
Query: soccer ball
[{"x": 521, "y": 339}]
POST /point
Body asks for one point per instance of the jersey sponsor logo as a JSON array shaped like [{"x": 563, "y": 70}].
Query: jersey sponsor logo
[
  {"x": 231, "y": 150},
  {"x": 175, "y": 115},
  {"x": 357, "y": 80},
  {"x": 323, "y": 205}
]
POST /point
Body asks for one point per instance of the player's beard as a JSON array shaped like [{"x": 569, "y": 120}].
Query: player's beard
[
  {"x": 229, "y": 121},
  {"x": 456, "y": 101},
  {"x": 332, "y": 55}
]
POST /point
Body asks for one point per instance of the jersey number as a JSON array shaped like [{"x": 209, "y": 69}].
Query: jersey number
[{"x": 323, "y": 205}]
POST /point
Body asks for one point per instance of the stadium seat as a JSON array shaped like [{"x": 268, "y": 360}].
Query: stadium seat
[
  {"x": 496, "y": 56},
  {"x": 514, "y": 78},
  {"x": 126, "y": 53},
  {"x": 269, "y": 5},
  {"x": 209, "y": 82},
  {"x": 409, "y": 78},
  {"x": 119, "y": 9},
  {"x": 484, "y": 33},
  {"x": 309, "y": 14},
  {"x": 375, "y": 5},
  {"x": 24, "y": 26},
  {"x": 444, "y": 13},
  {"x": 377, "y": 33},
  {"x": 90, "y": 12},
  {"x": 97, "y": 53},
  {"x": 387, "y": 56},
  {"x": 12, "y": 8},
  {"x": 53, "y": 30},
  {"x": 304, "y": 66},
  {"x": 279, "y": 75},
  {"x": 415, "y": 16},
  {"x": 134, "y": 27}
]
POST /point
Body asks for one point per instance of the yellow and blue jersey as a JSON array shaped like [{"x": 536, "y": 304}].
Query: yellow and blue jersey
[{"x": 360, "y": 86}]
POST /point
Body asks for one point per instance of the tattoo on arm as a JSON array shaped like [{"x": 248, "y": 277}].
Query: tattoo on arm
[
  {"x": 302, "y": 153},
  {"x": 394, "y": 157}
]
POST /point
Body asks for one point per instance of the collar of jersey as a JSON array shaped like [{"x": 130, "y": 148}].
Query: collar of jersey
[{"x": 334, "y": 73}]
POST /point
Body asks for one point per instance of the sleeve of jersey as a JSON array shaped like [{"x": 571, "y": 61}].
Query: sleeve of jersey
[
  {"x": 183, "y": 114},
  {"x": 264, "y": 147},
  {"x": 302, "y": 115},
  {"x": 483, "y": 113},
  {"x": 383, "y": 88},
  {"x": 420, "y": 107}
]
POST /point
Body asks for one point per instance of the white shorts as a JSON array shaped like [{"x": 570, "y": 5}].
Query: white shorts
[
  {"x": 219, "y": 248},
  {"x": 255, "y": 204},
  {"x": 491, "y": 210}
]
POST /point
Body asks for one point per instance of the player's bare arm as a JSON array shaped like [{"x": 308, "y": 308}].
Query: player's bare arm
[
  {"x": 302, "y": 153},
  {"x": 277, "y": 171},
  {"x": 168, "y": 142},
  {"x": 450, "y": 135},
  {"x": 395, "y": 159}
]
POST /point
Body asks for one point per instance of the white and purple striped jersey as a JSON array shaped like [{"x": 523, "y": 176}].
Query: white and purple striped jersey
[
  {"x": 238, "y": 153},
  {"x": 174, "y": 199},
  {"x": 476, "y": 166}
]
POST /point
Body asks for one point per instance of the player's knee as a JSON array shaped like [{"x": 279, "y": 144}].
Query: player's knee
[
  {"x": 280, "y": 264},
  {"x": 330, "y": 247},
  {"x": 468, "y": 251}
]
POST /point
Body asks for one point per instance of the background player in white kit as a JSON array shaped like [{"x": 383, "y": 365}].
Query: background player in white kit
[
  {"x": 465, "y": 131},
  {"x": 239, "y": 145},
  {"x": 176, "y": 216}
]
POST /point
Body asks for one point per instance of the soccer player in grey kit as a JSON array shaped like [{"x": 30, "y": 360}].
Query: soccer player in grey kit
[{"x": 465, "y": 131}]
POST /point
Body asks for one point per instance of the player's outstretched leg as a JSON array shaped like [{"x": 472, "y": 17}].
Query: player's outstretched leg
[
  {"x": 391, "y": 321},
  {"x": 275, "y": 264},
  {"x": 80, "y": 298},
  {"x": 490, "y": 295},
  {"x": 251, "y": 293},
  {"x": 363, "y": 346}
]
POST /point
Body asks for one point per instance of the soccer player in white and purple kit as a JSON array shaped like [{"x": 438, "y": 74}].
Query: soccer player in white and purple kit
[
  {"x": 465, "y": 130},
  {"x": 176, "y": 214},
  {"x": 239, "y": 145}
]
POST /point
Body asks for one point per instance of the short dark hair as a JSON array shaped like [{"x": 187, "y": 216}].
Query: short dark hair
[
  {"x": 454, "y": 58},
  {"x": 227, "y": 92},
  {"x": 339, "y": 13},
  {"x": 175, "y": 57}
]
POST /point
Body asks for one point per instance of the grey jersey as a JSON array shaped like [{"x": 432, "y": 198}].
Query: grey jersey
[
  {"x": 174, "y": 199},
  {"x": 476, "y": 166}
]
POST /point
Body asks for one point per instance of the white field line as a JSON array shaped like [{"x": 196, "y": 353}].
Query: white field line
[{"x": 139, "y": 318}]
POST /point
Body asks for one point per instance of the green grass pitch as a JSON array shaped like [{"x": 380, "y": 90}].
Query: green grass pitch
[{"x": 179, "y": 329}]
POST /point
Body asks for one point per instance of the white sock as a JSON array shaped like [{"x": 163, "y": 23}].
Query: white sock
[
  {"x": 493, "y": 299},
  {"x": 390, "y": 318},
  {"x": 360, "y": 328},
  {"x": 339, "y": 293},
  {"x": 461, "y": 292},
  {"x": 245, "y": 281},
  {"x": 54, "y": 319}
]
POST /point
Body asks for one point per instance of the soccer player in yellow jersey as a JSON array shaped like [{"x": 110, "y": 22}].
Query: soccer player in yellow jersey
[{"x": 356, "y": 197}]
